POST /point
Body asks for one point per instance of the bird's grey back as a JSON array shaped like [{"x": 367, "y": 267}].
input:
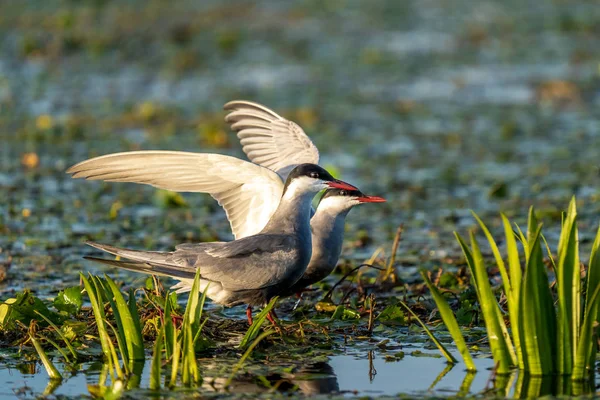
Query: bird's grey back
[{"x": 254, "y": 262}]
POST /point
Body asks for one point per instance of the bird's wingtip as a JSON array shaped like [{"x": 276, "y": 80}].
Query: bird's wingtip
[
  {"x": 99, "y": 246},
  {"x": 75, "y": 168},
  {"x": 230, "y": 105},
  {"x": 72, "y": 170},
  {"x": 75, "y": 174},
  {"x": 234, "y": 104}
]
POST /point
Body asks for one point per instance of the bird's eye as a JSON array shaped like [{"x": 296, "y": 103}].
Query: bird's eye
[
  {"x": 343, "y": 193},
  {"x": 314, "y": 175}
]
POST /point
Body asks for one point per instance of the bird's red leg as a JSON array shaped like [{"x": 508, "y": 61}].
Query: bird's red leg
[
  {"x": 270, "y": 318},
  {"x": 249, "y": 314}
]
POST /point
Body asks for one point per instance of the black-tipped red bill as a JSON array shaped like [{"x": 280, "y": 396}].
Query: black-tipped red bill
[
  {"x": 341, "y": 185},
  {"x": 371, "y": 199}
]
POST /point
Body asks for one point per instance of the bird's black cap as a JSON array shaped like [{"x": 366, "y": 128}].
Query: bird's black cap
[{"x": 310, "y": 170}]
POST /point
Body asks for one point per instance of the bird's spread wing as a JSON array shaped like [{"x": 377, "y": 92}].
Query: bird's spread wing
[
  {"x": 248, "y": 192},
  {"x": 269, "y": 139}
]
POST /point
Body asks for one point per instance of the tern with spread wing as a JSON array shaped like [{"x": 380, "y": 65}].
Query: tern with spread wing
[
  {"x": 268, "y": 139},
  {"x": 250, "y": 270},
  {"x": 249, "y": 194}
]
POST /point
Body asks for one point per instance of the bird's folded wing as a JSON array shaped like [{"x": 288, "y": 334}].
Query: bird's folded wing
[
  {"x": 269, "y": 139},
  {"x": 250, "y": 263},
  {"x": 248, "y": 192},
  {"x": 153, "y": 262},
  {"x": 258, "y": 244},
  {"x": 246, "y": 264},
  {"x": 148, "y": 268}
]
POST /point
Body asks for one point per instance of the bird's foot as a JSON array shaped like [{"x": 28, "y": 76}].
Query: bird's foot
[{"x": 271, "y": 317}]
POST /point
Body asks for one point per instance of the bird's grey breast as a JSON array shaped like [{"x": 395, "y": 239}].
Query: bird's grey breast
[{"x": 327, "y": 241}]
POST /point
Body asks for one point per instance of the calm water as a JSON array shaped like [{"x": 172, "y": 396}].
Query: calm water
[{"x": 354, "y": 375}]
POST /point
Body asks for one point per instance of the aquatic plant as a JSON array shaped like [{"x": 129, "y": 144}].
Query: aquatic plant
[
  {"x": 553, "y": 327},
  {"x": 119, "y": 330},
  {"x": 435, "y": 340},
  {"x": 248, "y": 351},
  {"x": 128, "y": 331},
  {"x": 254, "y": 329},
  {"x": 178, "y": 342},
  {"x": 48, "y": 365},
  {"x": 185, "y": 338},
  {"x": 451, "y": 324}
]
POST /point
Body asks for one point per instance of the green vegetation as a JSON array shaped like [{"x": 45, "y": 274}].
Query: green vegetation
[
  {"x": 451, "y": 324},
  {"x": 532, "y": 328},
  {"x": 257, "y": 323},
  {"x": 439, "y": 344},
  {"x": 50, "y": 368},
  {"x": 553, "y": 325},
  {"x": 119, "y": 330},
  {"x": 176, "y": 343},
  {"x": 247, "y": 353},
  {"x": 130, "y": 347}
]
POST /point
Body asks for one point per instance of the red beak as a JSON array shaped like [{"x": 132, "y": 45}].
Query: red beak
[
  {"x": 371, "y": 199},
  {"x": 341, "y": 185}
]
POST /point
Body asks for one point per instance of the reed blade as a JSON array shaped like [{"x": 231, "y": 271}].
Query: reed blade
[
  {"x": 585, "y": 358},
  {"x": 48, "y": 365},
  {"x": 451, "y": 324},
  {"x": 568, "y": 283},
  {"x": 489, "y": 305},
  {"x": 508, "y": 291},
  {"x": 515, "y": 273},
  {"x": 259, "y": 320},
  {"x": 537, "y": 320},
  {"x": 98, "y": 310},
  {"x": 588, "y": 348},
  {"x": 156, "y": 366},
  {"x": 131, "y": 329},
  {"x": 247, "y": 353}
]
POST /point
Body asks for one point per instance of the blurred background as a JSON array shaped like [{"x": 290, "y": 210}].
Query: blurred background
[{"x": 440, "y": 106}]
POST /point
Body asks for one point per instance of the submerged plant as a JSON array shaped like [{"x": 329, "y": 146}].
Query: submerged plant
[
  {"x": 247, "y": 353},
  {"x": 552, "y": 331}
]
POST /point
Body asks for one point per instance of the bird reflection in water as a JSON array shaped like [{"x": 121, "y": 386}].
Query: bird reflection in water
[{"x": 310, "y": 379}]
